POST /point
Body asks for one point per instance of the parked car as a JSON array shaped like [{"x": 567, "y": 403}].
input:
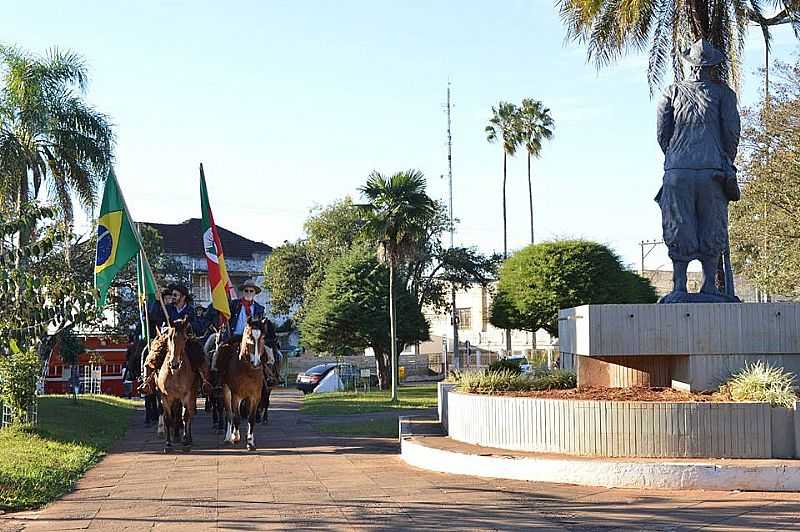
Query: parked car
[
  {"x": 308, "y": 380},
  {"x": 295, "y": 351},
  {"x": 349, "y": 374},
  {"x": 522, "y": 362}
]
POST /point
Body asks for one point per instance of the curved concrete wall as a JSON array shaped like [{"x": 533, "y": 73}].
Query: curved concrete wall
[{"x": 610, "y": 428}]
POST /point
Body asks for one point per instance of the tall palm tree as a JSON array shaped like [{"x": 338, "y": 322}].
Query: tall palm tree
[
  {"x": 535, "y": 126},
  {"x": 49, "y": 136},
  {"x": 504, "y": 127},
  {"x": 395, "y": 216},
  {"x": 610, "y": 27}
]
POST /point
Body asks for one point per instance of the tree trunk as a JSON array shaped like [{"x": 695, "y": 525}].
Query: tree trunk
[
  {"x": 383, "y": 370},
  {"x": 530, "y": 194},
  {"x": 24, "y": 233},
  {"x": 392, "y": 331},
  {"x": 505, "y": 228},
  {"x": 505, "y": 242}
]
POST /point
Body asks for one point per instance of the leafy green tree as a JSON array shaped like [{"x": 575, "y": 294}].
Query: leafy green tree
[
  {"x": 504, "y": 127},
  {"x": 49, "y": 135},
  {"x": 351, "y": 311},
  {"x": 295, "y": 271},
  {"x": 611, "y": 27},
  {"x": 285, "y": 273},
  {"x": 535, "y": 126},
  {"x": 49, "y": 294},
  {"x": 19, "y": 372},
  {"x": 395, "y": 216},
  {"x": 539, "y": 280},
  {"x": 765, "y": 223},
  {"x": 433, "y": 267}
]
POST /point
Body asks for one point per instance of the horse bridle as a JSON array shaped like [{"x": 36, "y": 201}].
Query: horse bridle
[
  {"x": 255, "y": 335},
  {"x": 172, "y": 365}
]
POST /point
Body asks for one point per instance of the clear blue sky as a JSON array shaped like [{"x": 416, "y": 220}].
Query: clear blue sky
[{"x": 291, "y": 104}]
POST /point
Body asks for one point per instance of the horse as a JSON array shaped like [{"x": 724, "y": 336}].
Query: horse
[
  {"x": 242, "y": 377},
  {"x": 176, "y": 382},
  {"x": 271, "y": 379},
  {"x": 214, "y": 398}
]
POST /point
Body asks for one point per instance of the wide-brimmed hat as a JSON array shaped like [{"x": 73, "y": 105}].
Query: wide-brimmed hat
[
  {"x": 703, "y": 54},
  {"x": 180, "y": 287},
  {"x": 249, "y": 284}
]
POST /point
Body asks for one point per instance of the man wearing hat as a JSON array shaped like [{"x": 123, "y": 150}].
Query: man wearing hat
[
  {"x": 698, "y": 129},
  {"x": 182, "y": 307},
  {"x": 246, "y": 307}
]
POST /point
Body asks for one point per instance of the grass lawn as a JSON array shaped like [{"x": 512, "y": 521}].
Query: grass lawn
[
  {"x": 342, "y": 403},
  {"x": 379, "y": 428},
  {"x": 39, "y": 464}
]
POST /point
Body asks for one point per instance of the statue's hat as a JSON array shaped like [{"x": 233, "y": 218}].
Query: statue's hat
[{"x": 703, "y": 54}]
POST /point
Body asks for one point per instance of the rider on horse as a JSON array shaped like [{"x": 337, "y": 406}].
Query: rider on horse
[
  {"x": 244, "y": 308},
  {"x": 181, "y": 308}
]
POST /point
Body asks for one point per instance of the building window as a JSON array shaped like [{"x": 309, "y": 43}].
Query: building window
[
  {"x": 464, "y": 318},
  {"x": 200, "y": 288}
]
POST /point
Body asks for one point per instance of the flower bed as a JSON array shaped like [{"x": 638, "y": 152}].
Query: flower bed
[{"x": 624, "y": 428}]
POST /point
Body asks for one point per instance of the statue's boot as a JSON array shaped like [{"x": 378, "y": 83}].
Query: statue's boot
[{"x": 710, "y": 276}]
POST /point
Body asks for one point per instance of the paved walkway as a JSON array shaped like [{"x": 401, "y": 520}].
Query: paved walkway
[{"x": 301, "y": 480}]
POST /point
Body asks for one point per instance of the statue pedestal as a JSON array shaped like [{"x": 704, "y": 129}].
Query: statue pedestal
[{"x": 690, "y": 347}]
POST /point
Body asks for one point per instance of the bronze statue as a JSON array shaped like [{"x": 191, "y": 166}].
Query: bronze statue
[{"x": 698, "y": 130}]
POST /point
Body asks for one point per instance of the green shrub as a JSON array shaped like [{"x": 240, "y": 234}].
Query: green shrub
[
  {"x": 762, "y": 382},
  {"x": 19, "y": 372},
  {"x": 505, "y": 380},
  {"x": 556, "y": 379},
  {"x": 505, "y": 364}
]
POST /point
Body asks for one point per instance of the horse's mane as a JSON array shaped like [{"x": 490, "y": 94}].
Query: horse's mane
[
  {"x": 195, "y": 352},
  {"x": 158, "y": 345},
  {"x": 227, "y": 351}
]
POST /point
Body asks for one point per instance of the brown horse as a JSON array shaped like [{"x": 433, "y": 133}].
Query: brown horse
[
  {"x": 242, "y": 376},
  {"x": 176, "y": 382}
]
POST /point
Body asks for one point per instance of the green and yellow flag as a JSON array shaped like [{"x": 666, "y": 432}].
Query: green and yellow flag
[{"x": 118, "y": 242}]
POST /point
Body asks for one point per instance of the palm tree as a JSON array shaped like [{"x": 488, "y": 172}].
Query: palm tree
[
  {"x": 49, "y": 136},
  {"x": 504, "y": 126},
  {"x": 610, "y": 27},
  {"x": 535, "y": 125},
  {"x": 396, "y": 214}
]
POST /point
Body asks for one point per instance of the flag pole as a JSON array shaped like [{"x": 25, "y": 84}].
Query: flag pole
[
  {"x": 146, "y": 263},
  {"x": 144, "y": 315}
]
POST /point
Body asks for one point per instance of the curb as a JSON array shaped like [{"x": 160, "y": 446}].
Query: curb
[{"x": 686, "y": 475}]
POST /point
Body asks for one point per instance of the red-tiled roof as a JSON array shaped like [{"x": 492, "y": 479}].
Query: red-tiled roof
[{"x": 186, "y": 238}]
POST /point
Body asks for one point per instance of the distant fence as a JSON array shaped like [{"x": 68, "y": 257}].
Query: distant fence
[{"x": 415, "y": 365}]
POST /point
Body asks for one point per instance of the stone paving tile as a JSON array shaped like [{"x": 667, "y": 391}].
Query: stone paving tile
[{"x": 302, "y": 480}]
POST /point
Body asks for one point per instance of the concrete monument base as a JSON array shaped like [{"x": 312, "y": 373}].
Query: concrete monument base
[{"x": 691, "y": 347}]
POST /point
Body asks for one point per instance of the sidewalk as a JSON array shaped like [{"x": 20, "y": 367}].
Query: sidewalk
[{"x": 301, "y": 480}]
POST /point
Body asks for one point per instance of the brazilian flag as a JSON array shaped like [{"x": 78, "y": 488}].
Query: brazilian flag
[{"x": 118, "y": 241}]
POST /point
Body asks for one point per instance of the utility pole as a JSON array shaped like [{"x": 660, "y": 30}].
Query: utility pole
[{"x": 456, "y": 351}]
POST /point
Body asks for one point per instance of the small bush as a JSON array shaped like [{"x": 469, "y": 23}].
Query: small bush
[
  {"x": 556, "y": 379},
  {"x": 505, "y": 380},
  {"x": 504, "y": 364},
  {"x": 19, "y": 372},
  {"x": 762, "y": 382}
]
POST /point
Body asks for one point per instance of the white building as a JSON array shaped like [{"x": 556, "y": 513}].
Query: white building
[
  {"x": 244, "y": 259},
  {"x": 486, "y": 342}
]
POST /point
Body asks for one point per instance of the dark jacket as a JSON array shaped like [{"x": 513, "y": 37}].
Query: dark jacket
[{"x": 157, "y": 318}]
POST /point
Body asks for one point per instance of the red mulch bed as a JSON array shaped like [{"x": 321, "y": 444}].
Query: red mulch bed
[{"x": 588, "y": 393}]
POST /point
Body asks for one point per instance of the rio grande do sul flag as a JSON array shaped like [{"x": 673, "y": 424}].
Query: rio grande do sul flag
[
  {"x": 212, "y": 247},
  {"x": 118, "y": 242}
]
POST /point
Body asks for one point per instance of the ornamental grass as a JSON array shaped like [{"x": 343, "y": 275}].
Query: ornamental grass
[
  {"x": 488, "y": 382},
  {"x": 762, "y": 383}
]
